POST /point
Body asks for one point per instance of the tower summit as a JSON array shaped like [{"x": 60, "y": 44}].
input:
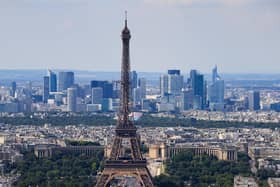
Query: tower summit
[{"x": 125, "y": 158}]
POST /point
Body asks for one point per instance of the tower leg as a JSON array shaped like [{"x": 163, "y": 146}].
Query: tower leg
[
  {"x": 116, "y": 148},
  {"x": 142, "y": 175}
]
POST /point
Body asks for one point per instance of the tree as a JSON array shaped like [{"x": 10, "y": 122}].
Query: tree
[{"x": 187, "y": 168}]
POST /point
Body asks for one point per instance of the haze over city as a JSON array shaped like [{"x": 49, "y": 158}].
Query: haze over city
[
  {"x": 237, "y": 35},
  {"x": 175, "y": 93}
]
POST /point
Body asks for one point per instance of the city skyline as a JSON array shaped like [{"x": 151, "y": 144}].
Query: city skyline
[
  {"x": 132, "y": 128},
  {"x": 81, "y": 34}
]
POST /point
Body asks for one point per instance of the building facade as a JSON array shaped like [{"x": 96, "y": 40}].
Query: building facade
[
  {"x": 65, "y": 80},
  {"x": 46, "y": 89},
  {"x": 254, "y": 100},
  {"x": 71, "y": 99},
  {"x": 97, "y": 95},
  {"x": 216, "y": 92},
  {"x": 172, "y": 83},
  {"x": 52, "y": 81}
]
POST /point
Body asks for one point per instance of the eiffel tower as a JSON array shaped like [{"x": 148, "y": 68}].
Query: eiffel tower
[{"x": 125, "y": 160}]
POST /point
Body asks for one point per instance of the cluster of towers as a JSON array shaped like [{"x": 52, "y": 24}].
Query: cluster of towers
[
  {"x": 175, "y": 92},
  {"x": 64, "y": 83},
  {"x": 192, "y": 93}
]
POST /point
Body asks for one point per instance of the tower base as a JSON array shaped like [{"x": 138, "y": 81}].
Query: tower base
[{"x": 111, "y": 171}]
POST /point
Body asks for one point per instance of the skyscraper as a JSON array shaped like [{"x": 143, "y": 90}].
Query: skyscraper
[
  {"x": 136, "y": 96},
  {"x": 46, "y": 89},
  {"x": 116, "y": 89},
  {"x": 65, "y": 80},
  {"x": 105, "y": 85},
  {"x": 173, "y": 72},
  {"x": 175, "y": 82},
  {"x": 215, "y": 75},
  {"x": 97, "y": 95},
  {"x": 14, "y": 88},
  {"x": 216, "y": 92},
  {"x": 163, "y": 85},
  {"x": 187, "y": 100},
  {"x": 97, "y": 83},
  {"x": 172, "y": 83},
  {"x": 134, "y": 79},
  {"x": 71, "y": 99},
  {"x": 52, "y": 81},
  {"x": 254, "y": 100},
  {"x": 108, "y": 90},
  {"x": 142, "y": 86},
  {"x": 198, "y": 86}
]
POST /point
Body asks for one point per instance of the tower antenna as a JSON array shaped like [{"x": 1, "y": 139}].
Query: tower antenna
[{"x": 125, "y": 18}]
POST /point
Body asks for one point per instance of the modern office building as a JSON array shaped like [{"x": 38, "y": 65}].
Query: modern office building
[
  {"x": 198, "y": 86},
  {"x": 46, "y": 89},
  {"x": 187, "y": 100},
  {"x": 254, "y": 100},
  {"x": 116, "y": 89},
  {"x": 65, "y": 80},
  {"x": 133, "y": 79},
  {"x": 163, "y": 85},
  {"x": 97, "y": 83},
  {"x": 105, "y": 85},
  {"x": 136, "y": 97},
  {"x": 97, "y": 95},
  {"x": 107, "y": 105},
  {"x": 172, "y": 83},
  {"x": 275, "y": 107},
  {"x": 142, "y": 86},
  {"x": 108, "y": 90},
  {"x": 173, "y": 72},
  {"x": 14, "y": 88},
  {"x": 52, "y": 81},
  {"x": 175, "y": 83},
  {"x": 216, "y": 92},
  {"x": 71, "y": 99},
  {"x": 215, "y": 75}
]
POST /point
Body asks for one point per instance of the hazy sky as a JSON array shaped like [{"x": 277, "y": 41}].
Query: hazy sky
[{"x": 237, "y": 35}]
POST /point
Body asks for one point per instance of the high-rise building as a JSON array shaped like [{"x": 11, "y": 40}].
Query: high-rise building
[
  {"x": 187, "y": 100},
  {"x": 116, "y": 89},
  {"x": 97, "y": 95},
  {"x": 108, "y": 90},
  {"x": 173, "y": 72},
  {"x": 105, "y": 85},
  {"x": 198, "y": 86},
  {"x": 216, "y": 92},
  {"x": 14, "y": 88},
  {"x": 136, "y": 96},
  {"x": 71, "y": 99},
  {"x": 215, "y": 75},
  {"x": 254, "y": 100},
  {"x": 175, "y": 82},
  {"x": 107, "y": 104},
  {"x": 97, "y": 83},
  {"x": 52, "y": 81},
  {"x": 163, "y": 85},
  {"x": 134, "y": 79},
  {"x": 65, "y": 80},
  {"x": 46, "y": 89},
  {"x": 142, "y": 86},
  {"x": 172, "y": 83}
]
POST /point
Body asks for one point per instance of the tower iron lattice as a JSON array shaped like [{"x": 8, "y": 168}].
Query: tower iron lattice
[{"x": 129, "y": 161}]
